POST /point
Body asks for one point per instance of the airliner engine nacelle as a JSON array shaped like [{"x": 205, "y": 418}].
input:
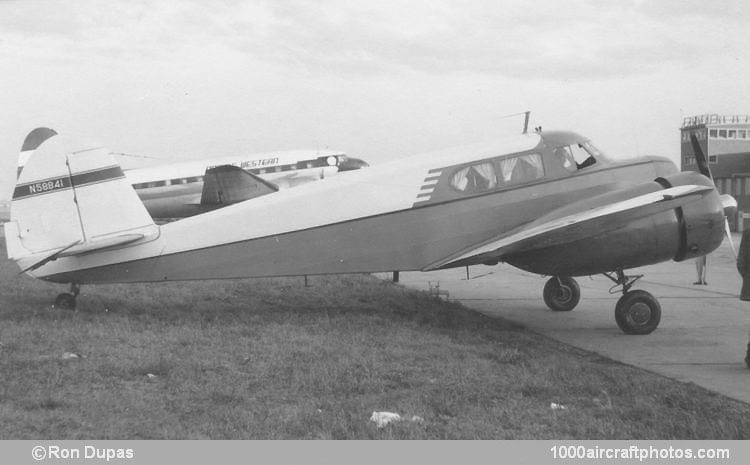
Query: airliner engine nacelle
[{"x": 690, "y": 231}]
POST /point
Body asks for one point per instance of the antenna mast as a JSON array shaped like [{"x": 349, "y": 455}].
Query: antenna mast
[{"x": 526, "y": 122}]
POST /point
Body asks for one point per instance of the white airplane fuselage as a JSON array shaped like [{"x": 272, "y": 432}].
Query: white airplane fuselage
[{"x": 389, "y": 217}]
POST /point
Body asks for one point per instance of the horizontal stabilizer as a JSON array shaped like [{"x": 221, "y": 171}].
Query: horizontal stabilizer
[
  {"x": 108, "y": 242},
  {"x": 228, "y": 184},
  {"x": 81, "y": 248},
  {"x": 573, "y": 227},
  {"x": 48, "y": 258}
]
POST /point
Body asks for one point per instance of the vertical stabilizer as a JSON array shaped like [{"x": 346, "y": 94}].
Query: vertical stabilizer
[
  {"x": 33, "y": 140},
  {"x": 72, "y": 198}
]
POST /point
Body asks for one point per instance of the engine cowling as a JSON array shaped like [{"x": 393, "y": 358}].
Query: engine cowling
[{"x": 689, "y": 231}]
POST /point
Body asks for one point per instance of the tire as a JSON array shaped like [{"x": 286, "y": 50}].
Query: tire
[
  {"x": 561, "y": 294},
  {"x": 637, "y": 312},
  {"x": 65, "y": 301}
]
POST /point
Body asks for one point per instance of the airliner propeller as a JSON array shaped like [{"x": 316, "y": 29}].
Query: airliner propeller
[{"x": 728, "y": 202}]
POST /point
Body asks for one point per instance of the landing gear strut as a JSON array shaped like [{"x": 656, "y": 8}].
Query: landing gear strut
[
  {"x": 67, "y": 301},
  {"x": 637, "y": 312},
  {"x": 561, "y": 293}
]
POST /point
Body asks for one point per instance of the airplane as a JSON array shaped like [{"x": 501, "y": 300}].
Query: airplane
[
  {"x": 178, "y": 190},
  {"x": 548, "y": 202}
]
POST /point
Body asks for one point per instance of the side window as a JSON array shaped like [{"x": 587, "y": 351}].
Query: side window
[
  {"x": 576, "y": 157},
  {"x": 566, "y": 157},
  {"x": 475, "y": 178},
  {"x": 505, "y": 172},
  {"x": 518, "y": 170}
]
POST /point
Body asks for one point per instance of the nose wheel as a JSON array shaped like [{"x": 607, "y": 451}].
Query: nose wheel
[{"x": 67, "y": 301}]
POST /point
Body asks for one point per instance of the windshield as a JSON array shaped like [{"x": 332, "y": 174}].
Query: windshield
[
  {"x": 591, "y": 150},
  {"x": 578, "y": 156}
]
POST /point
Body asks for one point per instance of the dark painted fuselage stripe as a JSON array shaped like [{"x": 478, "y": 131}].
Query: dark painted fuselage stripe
[{"x": 61, "y": 183}]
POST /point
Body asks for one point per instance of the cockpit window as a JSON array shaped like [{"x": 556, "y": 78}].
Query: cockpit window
[
  {"x": 577, "y": 156},
  {"x": 475, "y": 178},
  {"x": 593, "y": 151}
]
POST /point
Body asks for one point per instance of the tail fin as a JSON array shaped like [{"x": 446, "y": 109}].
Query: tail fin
[
  {"x": 72, "y": 199},
  {"x": 33, "y": 140}
]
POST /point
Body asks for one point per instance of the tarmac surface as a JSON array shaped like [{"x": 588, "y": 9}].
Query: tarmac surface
[{"x": 702, "y": 337}]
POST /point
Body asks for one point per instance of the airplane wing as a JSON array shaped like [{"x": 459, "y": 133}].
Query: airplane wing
[
  {"x": 551, "y": 231},
  {"x": 227, "y": 184}
]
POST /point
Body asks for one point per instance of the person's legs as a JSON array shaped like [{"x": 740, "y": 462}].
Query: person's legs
[{"x": 700, "y": 270}]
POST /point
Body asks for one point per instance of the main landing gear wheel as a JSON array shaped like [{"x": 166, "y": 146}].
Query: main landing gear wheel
[
  {"x": 561, "y": 293},
  {"x": 67, "y": 301},
  {"x": 637, "y": 312}
]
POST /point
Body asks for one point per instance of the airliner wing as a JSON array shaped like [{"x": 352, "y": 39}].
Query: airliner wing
[
  {"x": 227, "y": 184},
  {"x": 574, "y": 227}
]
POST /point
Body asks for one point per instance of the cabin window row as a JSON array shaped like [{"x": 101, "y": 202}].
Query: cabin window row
[
  {"x": 168, "y": 182},
  {"x": 488, "y": 175}
]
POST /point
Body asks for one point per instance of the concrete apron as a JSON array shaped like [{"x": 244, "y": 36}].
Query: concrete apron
[{"x": 702, "y": 337}]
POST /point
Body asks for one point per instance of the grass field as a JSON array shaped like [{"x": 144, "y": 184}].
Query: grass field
[{"x": 271, "y": 359}]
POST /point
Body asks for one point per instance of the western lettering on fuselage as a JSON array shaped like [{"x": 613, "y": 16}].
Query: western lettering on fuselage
[
  {"x": 249, "y": 164},
  {"x": 257, "y": 163}
]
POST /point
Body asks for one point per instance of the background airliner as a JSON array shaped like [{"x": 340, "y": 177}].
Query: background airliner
[{"x": 177, "y": 190}]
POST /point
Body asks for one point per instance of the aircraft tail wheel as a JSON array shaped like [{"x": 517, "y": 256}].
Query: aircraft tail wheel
[
  {"x": 637, "y": 312},
  {"x": 561, "y": 294},
  {"x": 65, "y": 301}
]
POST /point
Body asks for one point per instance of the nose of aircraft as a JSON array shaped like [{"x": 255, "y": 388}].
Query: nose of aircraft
[{"x": 350, "y": 163}]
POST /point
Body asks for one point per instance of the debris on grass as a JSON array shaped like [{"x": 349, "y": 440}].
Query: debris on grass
[
  {"x": 603, "y": 404},
  {"x": 71, "y": 356},
  {"x": 556, "y": 406},
  {"x": 382, "y": 419}
]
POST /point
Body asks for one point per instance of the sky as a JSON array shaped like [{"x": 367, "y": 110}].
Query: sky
[{"x": 379, "y": 80}]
